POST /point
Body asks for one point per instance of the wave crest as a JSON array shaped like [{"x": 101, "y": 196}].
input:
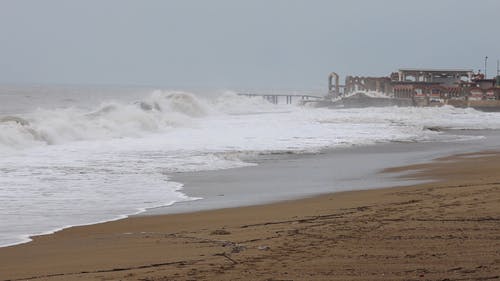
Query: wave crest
[{"x": 160, "y": 111}]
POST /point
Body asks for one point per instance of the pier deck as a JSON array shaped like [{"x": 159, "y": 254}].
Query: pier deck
[{"x": 288, "y": 98}]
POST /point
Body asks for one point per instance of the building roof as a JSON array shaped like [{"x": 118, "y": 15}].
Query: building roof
[{"x": 459, "y": 70}]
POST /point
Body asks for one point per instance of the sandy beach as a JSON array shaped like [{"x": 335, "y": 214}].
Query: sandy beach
[{"x": 444, "y": 230}]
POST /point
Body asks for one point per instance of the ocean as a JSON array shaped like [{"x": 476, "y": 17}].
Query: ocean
[{"x": 77, "y": 155}]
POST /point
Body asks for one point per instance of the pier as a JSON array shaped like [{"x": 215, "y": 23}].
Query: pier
[{"x": 285, "y": 98}]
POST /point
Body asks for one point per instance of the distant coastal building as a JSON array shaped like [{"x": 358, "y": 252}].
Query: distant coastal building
[{"x": 425, "y": 87}]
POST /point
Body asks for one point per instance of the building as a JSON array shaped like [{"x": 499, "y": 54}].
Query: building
[{"x": 426, "y": 87}]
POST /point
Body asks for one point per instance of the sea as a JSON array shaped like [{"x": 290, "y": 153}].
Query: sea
[{"x": 79, "y": 155}]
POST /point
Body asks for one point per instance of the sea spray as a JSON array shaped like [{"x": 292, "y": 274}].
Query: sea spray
[{"x": 108, "y": 120}]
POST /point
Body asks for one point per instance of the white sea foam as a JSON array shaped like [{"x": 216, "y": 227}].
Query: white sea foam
[{"x": 72, "y": 166}]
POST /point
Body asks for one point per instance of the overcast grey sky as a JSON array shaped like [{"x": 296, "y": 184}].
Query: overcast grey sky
[{"x": 239, "y": 44}]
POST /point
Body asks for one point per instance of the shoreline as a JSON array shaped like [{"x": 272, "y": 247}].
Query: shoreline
[
  {"x": 330, "y": 171},
  {"x": 148, "y": 245}
]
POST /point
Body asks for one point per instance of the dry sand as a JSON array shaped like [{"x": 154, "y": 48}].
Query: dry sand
[{"x": 444, "y": 230}]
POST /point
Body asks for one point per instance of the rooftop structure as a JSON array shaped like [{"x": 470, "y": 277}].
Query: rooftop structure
[{"x": 442, "y": 76}]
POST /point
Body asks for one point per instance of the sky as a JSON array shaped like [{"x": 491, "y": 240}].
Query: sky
[{"x": 264, "y": 44}]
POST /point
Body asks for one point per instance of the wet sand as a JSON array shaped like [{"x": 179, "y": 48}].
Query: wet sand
[
  {"x": 447, "y": 229},
  {"x": 279, "y": 177}
]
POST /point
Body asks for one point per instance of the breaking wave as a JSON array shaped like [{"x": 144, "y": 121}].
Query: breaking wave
[
  {"x": 163, "y": 111},
  {"x": 160, "y": 111}
]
